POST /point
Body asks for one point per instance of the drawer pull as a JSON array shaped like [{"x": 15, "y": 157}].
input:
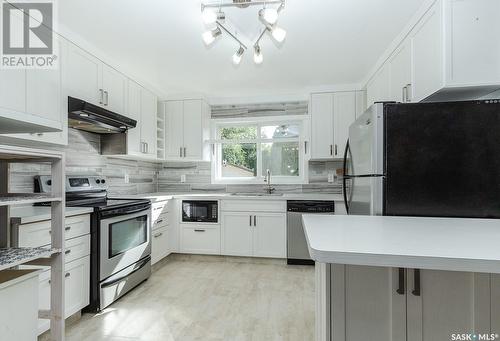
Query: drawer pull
[
  {"x": 67, "y": 228},
  {"x": 158, "y": 235},
  {"x": 67, "y": 274},
  {"x": 159, "y": 221},
  {"x": 67, "y": 252},
  {"x": 199, "y": 230}
]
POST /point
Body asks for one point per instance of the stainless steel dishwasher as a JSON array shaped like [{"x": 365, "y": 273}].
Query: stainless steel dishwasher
[{"x": 297, "y": 251}]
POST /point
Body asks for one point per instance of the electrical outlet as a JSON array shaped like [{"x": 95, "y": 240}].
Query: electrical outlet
[
  {"x": 127, "y": 178},
  {"x": 331, "y": 177},
  {"x": 183, "y": 178}
]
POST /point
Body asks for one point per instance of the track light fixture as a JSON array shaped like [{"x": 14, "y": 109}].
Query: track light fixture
[
  {"x": 237, "y": 56},
  {"x": 212, "y": 14},
  {"x": 209, "y": 36}
]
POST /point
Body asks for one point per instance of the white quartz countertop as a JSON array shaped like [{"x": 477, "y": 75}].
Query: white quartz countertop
[
  {"x": 410, "y": 242},
  {"x": 30, "y": 214},
  {"x": 160, "y": 196}
]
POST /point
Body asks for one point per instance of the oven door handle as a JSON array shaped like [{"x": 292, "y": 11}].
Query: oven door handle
[
  {"x": 121, "y": 278},
  {"x": 114, "y": 213},
  {"x": 137, "y": 210}
]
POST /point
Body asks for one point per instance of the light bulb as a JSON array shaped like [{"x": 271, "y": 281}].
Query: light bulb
[
  {"x": 278, "y": 33},
  {"x": 237, "y": 55},
  {"x": 209, "y": 36},
  {"x": 208, "y": 16},
  {"x": 258, "y": 58},
  {"x": 270, "y": 15}
]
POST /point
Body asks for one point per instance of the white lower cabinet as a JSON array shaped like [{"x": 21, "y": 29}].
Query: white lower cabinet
[
  {"x": 159, "y": 244},
  {"x": 200, "y": 239},
  {"x": 253, "y": 231},
  {"x": 76, "y": 297},
  {"x": 380, "y": 304}
]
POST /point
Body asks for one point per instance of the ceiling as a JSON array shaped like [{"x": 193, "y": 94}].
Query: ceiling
[{"x": 329, "y": 42}]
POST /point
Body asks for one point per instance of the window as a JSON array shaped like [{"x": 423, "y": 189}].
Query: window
[{"x": 246, "y": 150}]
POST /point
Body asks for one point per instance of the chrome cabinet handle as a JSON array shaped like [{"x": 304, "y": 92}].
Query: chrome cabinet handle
[
  {"x": 331, "y": 149},
  {"x": 146, "y": 146},
  {"x": 67, "y": 252},
  {"x": 408, "y": 92},
  {"x": 159, "y": 221},
  {"x": 250, "y": 222},
  {"x": 199, "y": 230},
  {"x": 67, "y": 228},
  {"x": 336, "y": 149},
  {"x": 101, "y": 91},
  {"x": 158, "y": 235},
  {"x": 107, "y": 98},
  {"x": 254, "y": 220},
  {"x": 185, "y": 151},
  {"x": 305, "y": 147},
  {"x": 403, "y": 95},
  {"x": 416, "y": 283},
  {"x": 67, "y": 274},
  {"x": 180, "y": 151}
]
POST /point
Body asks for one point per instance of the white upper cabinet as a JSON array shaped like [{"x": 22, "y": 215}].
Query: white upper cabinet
[
  {"x": 91, "y": 80},
  {"x": 331, "y": 116},
  {"x": 134, "y": 146},
  {"x": 187, "y": 127},
  {"x": 322, "y": 126},
  {"x": 82, "y": 77},
  {"x": 452, "y": 53}
]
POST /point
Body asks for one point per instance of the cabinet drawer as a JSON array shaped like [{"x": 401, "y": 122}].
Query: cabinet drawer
[
  {"x": 253, "y": 206},
  {"x": 159, "y": 245},
  {"x": 38, "y": 234},
  {"x": 161, "y": 221},
  {"x": 201, "y": 239},
  {"x": 77, "y": 248}
]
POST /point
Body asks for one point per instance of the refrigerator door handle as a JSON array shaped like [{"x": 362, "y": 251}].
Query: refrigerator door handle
[{"x": 345, "y": 177}]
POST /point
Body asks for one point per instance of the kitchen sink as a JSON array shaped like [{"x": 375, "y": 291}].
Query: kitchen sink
[{"x": 258, "y": 194}]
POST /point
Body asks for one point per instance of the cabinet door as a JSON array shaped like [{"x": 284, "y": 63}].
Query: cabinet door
[
  {"x": 269, "y": 238},
  {"x": 149, "y": 107},
  {"x": 378, "y": 89},
  {"x": 114, "y": 85},
  {"x": 427, "y": 55},
  {"x": 321, "y": 126},
  {"x": 344, "y": 114},
  {"x": 449, "y": 302},
  {"x": 76, "y": 289},
  {"x": 159, "y": 245},
  {"x": 237, "y": 234},
  {"x": 365, "y": 304},
  {"x": 13, "y": 81},
  {"x": 174, "y": 128},
  {"x": 193, "y": 138},
  {"x": 82, "y": 77},
  {"x": 134, "y": 112},
  {"x": 400, "y": 69}
]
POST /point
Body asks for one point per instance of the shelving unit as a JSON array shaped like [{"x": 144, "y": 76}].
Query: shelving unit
[
  {"x": 11, "y": 257},
  {"x": 160, "y": 134}
]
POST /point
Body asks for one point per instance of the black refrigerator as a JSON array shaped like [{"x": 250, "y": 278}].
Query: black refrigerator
[{"x": 425, "y": 159}]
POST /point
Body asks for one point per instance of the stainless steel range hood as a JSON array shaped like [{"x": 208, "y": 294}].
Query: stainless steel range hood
[{"x": 92, "y": 118}]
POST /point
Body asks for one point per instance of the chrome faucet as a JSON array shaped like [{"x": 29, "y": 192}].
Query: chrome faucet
[{"x": 269, "y": 189}]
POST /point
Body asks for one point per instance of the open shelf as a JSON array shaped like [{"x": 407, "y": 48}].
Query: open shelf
[
  {"x": 8, "y": 199},
  {"x": 14, "y": 256}
]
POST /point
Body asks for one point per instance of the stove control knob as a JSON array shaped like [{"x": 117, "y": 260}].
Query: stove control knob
[
  {"x": 103, "y": 181},
  {"x": 98, "y": 181},
  {"x": 49, "y": 182}
]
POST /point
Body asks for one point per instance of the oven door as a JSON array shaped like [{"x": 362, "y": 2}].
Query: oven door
[{"x": 125, "y": 240}]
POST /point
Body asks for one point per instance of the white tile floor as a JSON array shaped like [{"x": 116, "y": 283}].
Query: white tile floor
[{"x": 210, "y": 298}]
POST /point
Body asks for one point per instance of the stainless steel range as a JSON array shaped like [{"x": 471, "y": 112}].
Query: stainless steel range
[{"x": 120, "y": 237}]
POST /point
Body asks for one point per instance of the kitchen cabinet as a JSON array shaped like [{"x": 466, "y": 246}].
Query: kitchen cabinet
[
  {"x": 237, "y": 234},
  {"x": 91, "y": 80},
  {"x": 159, "y": 244},
  {"x": 187, "y": 129},
  {"x": 269, "y": 235},
  {"x": 400, "y": 74},
  {"x": 365, "y": 304},
  {"x": 77, "y": 285},
  {"x": 380, "y": 303},
  {"x": 30, "y": 99},
  {"x": 149, "y": 106},
  {"x": 246, "y": 230},
  {"x": 200, "y": 239},
  {"x": 331, "y": 116},
  {"x": 451, "y": 53}
]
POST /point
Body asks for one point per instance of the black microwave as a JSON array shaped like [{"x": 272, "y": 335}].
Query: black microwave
[{"x": 196, "y": 211}]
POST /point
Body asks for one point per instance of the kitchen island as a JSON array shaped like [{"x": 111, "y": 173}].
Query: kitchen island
[{"x": 405, "y": 278}]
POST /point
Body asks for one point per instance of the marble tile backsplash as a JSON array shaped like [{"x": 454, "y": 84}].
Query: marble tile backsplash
[{"x": 83, "y": 158}]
